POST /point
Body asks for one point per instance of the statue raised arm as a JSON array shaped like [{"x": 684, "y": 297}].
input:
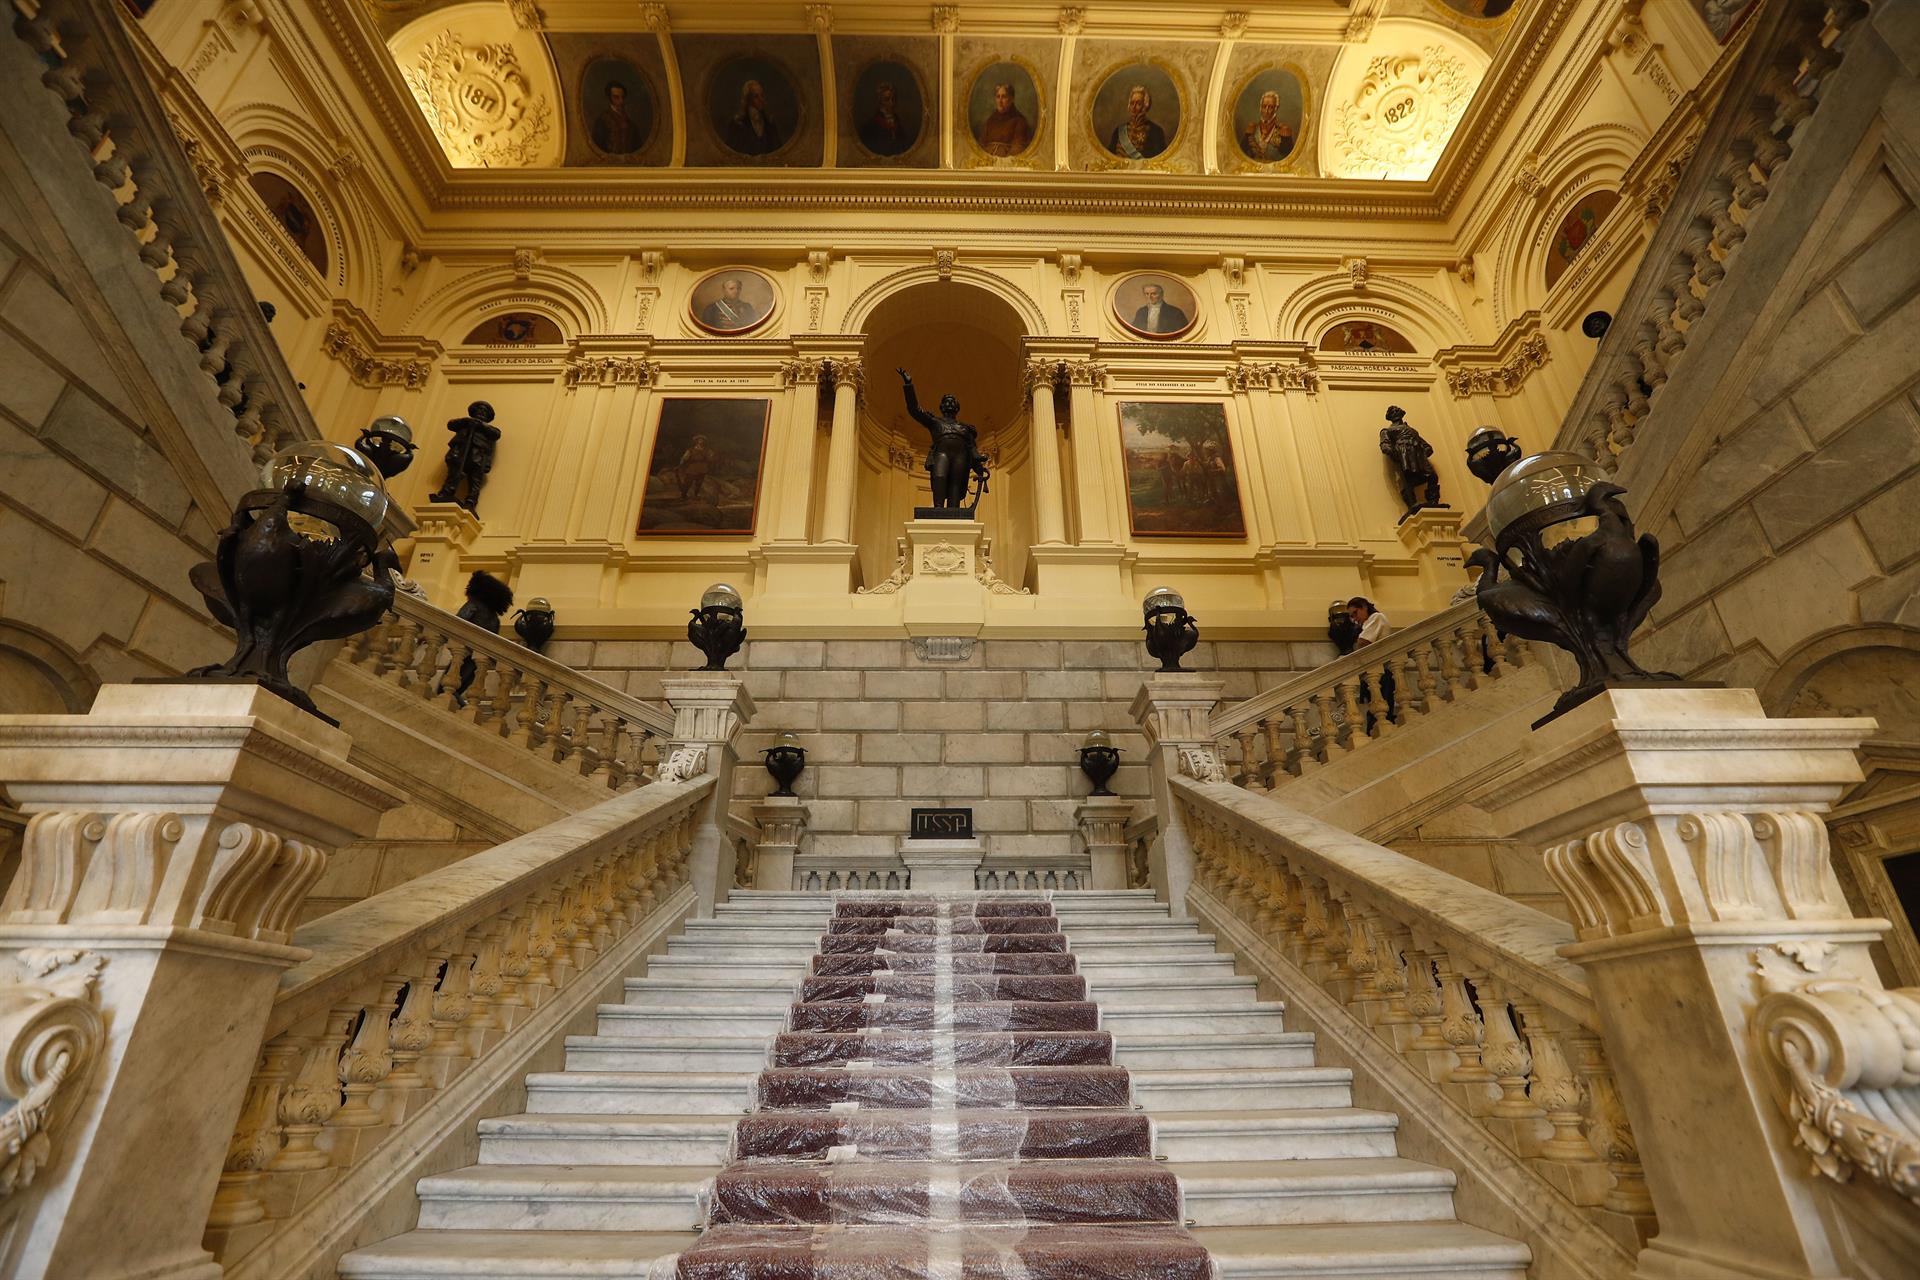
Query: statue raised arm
[{"x": 953, "y": 453}]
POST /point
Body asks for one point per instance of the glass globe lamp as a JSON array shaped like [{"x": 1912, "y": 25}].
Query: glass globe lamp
[
  {"x": 1099, "y": 760},
  {"x": 785, "y": 759},
  {"x": 1538, "y": 491},
  {"x": 720, "y": 595},
  {"x": 1171, "y": 630},
  {"x": 718, "y": 626},
  {"x": 327, "y": 477},
  {"x": 388, "y": 444},
  {"x": 1163, "y": 599}
]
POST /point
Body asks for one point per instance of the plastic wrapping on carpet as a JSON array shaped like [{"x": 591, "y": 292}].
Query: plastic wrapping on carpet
[
  {"x": 958, "y": 1016},
  {"x": 956, "y": 908},
  {"x": 949, "y": 1253},
  {"x": 894, "y": 940},
  {"x": 969, "y": 962},
  {"x": 964, "y": 987},
  {"x": 937, "y": 924},
  {"x": 817, "y": 1088},
  {"x": 962, "y": 1048},
  {"x": 976, "y": 1133},
  {"x": 916, "y": 1192}
]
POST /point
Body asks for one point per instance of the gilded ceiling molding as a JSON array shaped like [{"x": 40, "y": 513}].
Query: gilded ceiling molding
[
  {"x": 1233, "y": 24},
  {"x": 1272, "y": 375},
  {"x": 946, "y": 18},
  {"x": 371, "y": 358},
  {"x": 480, "y": 102},
  {"x": 610, "y": 371},
  {"x": 527, "y": 15},
  {"x": 1401, "y": 116},
  {"x": 1499, "y": 369}
]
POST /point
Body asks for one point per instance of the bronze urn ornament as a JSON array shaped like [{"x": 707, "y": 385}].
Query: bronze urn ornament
[
  {"x": 718, "y": 627},
  {"x": 1099, "y": 760},
  {"x": 785, "y": 760},
  {"x": 1491, "y": 451},
  {"x": 534, "y": 624},
  {"x": 1577, "y": 577},
  {"x": 302, "y": 560},
  {"x": 387, "y": 442},
  {"x": 1171, "y": 630}
]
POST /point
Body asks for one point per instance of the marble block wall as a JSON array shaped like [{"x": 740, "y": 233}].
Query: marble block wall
[{"x": 886, "y": 730}]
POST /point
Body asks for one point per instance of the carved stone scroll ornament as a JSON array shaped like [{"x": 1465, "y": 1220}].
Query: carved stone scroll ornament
[
  {"x": 943, "y": 560},
  {"x": 1845, "y": 1057},
  {"x": 683, "y": 764},
  {"x": 50, "y": 1036},
  {"x": 1401, "y": 115},
  {"x": 1202, "y": 764},
  {"x": 480, "y": 103}
]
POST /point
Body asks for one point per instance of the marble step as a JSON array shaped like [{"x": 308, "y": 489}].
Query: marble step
[
  {"x": 566, "y": 1198},
  {"x": 1199, "y": 989},
  {"x": 733, "y": 992},
  {"x": 1321, "y": 1251},
  {"x": 1218, "y": 1049},
  {"x": 1142, "y": 949},
  {"x": 1166, "y": 1018},
  {"x": 690, "y": 1020},
  {"x": 1241, "y": 1088},
  {"x": 1308, "y": 1133},
  {"x": 597, "y": 1140},
  {"x": 702, "y": 969},
  {"x": 640, "y": 1093},
  {"x": 1171, "y": 972},
  {"x": 746, "y": 1053},
  {"x": 1230, "y": 1193}
]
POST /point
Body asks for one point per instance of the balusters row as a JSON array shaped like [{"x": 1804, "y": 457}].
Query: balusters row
[
  {"x": 1787, "y": 93},
  {"x": 1405, "y": 680},
  {"x": 125, "y": 163},
  {"x": 485, "y": 687},
  {"x": 816, "y": 880},
  {"x": 1029, "y": 878},
  {"x": 1535, "y": 1079},
  {"x": 327, "y": 1092}
]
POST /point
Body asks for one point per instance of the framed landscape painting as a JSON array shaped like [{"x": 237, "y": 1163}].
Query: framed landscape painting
[
  {"x": 704, "y": 475},
  {"x": 1181, "y": 478}
]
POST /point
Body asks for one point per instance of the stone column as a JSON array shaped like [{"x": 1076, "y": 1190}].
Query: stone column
[
  {"x": 1049, "y": 515},
  {"x": 796, "y": 484},
  {"x": 783, "y": 824},
  {"x": 1103, "y": 822},
  {"x": 843, "y": 451},
  {"x": 1089, "y": 446},
  {"x": 1684, "y": 828},
  {"x": 709, "y": 710},
  {"x": 1175, "y": 710},
  {"x": 174, "y": 832}
]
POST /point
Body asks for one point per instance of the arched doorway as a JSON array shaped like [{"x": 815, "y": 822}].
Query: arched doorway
[{"x": 959, "y": 339}]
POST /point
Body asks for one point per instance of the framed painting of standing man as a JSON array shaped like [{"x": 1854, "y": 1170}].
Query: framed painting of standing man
[
  {"x": 1181, "y": 479},
  {"x": 1135, "y": 113},
  {"x": 1152, "y": 304},
  {"x": 733, "y": 300},
  {"x": 704, "y": 475}
]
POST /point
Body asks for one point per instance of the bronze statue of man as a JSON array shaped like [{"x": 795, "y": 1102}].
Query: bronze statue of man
[
  {"x": 953, "y": 456},
  {"x": 1410, "y": 455},
  {"x": 469, "y": 455}
]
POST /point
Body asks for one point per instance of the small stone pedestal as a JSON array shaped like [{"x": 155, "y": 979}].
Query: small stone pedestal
[
  {"x": 1175, "y": 710},
  {"x": 1103, "y": 822},
  {"x": 1431, "y": 536},
  {"x": 1685, "y": 829},
  {"x": 783, "y": 824},
  {"x": 444, "y": 530},
  {"x": 709, "y": 710},
  {"x": 945, "y": 592},
  {"x": 942, "y": 866},
  {"x": 174, "y": 832}
]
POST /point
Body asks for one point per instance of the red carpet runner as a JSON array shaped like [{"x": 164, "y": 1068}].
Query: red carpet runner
[{"x": 943, "y": 1104}]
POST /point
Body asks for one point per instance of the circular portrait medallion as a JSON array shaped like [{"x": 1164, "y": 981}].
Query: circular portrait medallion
[
  {"x": 1155, "y": 305},
  {"x": 1135, "y": 113},
  {"x": 753, "y": 107},
  {"x": 1003, "y": 110},
  {"x": 733, "y": 300}
]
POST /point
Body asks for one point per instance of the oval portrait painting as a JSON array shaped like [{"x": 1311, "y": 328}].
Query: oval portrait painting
[
  {"x": 889, "y": 110},
  {"x": 1003, "y": 110},
  {"x": 616, "y": 108},
  {"x": 752, "y": 106},
  {"x": 1135, "y": 113},
  {"x": 1269, "y": 115},
  {"x": 1484, "y": 9},
  {"x": 732, "y": 300},
  {"x": 1154, "y": 305}
]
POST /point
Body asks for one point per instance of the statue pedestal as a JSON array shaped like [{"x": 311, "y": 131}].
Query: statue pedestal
[
  {"x": 942, "y": 866},
  {"x": 944, "y": 593},
  {"x": 445, "y": 530},
  {"x": 1431, "y": 536}
]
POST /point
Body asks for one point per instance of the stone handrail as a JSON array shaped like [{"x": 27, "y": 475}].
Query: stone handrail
[
  {"x": 1736, "y": 163},
  {"x": 1464, "y": 984},
  {"x": 540, "y": 704},
  {"x": 405, "y": 991},
  {"x": 824, "y": 872},
  {"x": 1323, "y": 714},
  {"x": 120, "y": 127},
  {"x": 1028, "y": 871}
]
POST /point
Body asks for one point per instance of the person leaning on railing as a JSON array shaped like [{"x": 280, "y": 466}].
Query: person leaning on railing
[{"x": 1374, "y": 627}]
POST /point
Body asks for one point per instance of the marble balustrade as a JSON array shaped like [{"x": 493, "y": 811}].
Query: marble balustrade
[
  {"x": 551, "y": 710},
  {"x": 405, "y": 991},
  {"x": 1325, "y": 714},
  {"x": 1463, "y": 983}
]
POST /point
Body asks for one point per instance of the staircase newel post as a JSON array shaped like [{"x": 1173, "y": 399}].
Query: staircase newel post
[
  {"x": 1175, "y": 710},
  {"x": 1733, "y": 984},
  {"x": 709, "y": 710},
  {"x": 174, "y": 832}
]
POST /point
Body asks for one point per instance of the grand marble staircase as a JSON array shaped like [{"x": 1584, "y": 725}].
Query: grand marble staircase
[{"x": 611, "y": 1169}]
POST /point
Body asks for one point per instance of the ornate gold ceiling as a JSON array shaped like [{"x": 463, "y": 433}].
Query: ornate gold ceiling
[{"x": 1272, "y": 93}]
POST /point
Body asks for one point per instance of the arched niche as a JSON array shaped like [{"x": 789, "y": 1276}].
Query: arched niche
[
  {"x": 958, "y": 339},
  {"x": 297, "y": 215}
]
